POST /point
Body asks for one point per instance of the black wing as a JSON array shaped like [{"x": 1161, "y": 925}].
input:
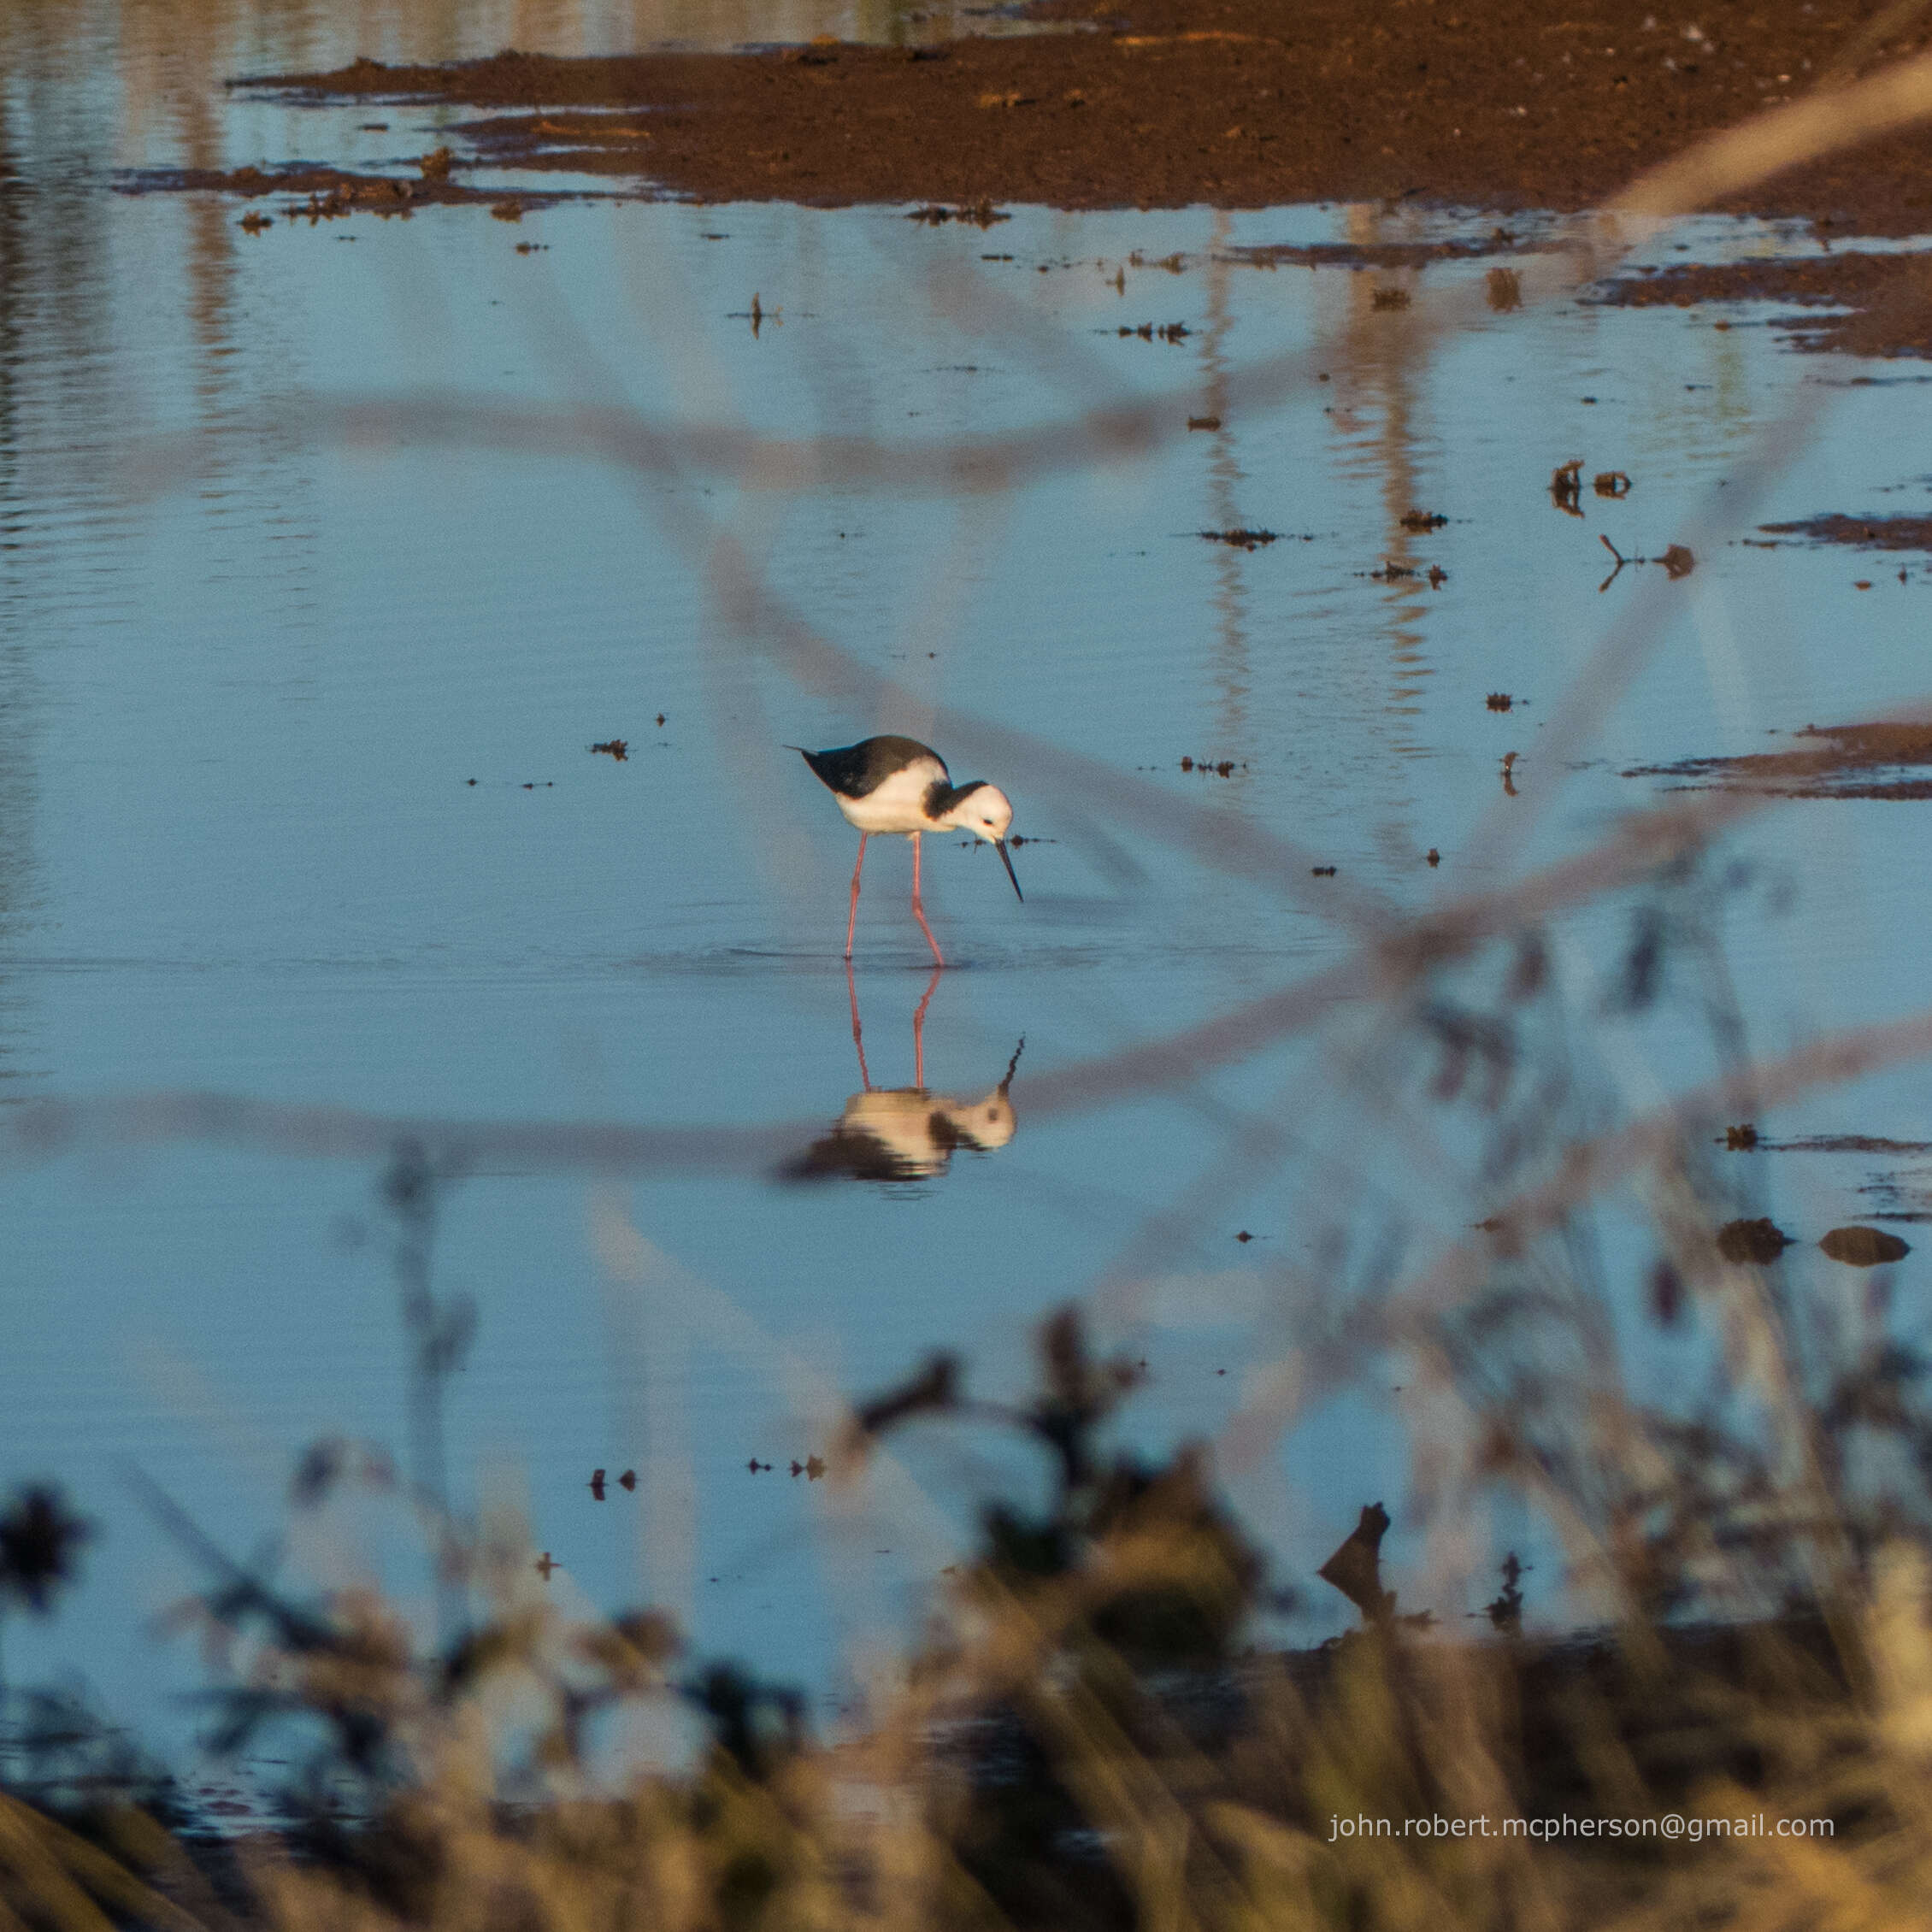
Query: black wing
[{"x": 855, "y": 771}]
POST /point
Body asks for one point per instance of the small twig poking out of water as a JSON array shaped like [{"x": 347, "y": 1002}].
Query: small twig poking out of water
[{"x": 1678, "y": 561}]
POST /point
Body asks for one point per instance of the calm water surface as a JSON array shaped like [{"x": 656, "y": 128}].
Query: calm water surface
[{"x": 297, "y": 804}]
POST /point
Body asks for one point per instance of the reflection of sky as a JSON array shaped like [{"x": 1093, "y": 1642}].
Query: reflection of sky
[{"x": 238, "y": 722}]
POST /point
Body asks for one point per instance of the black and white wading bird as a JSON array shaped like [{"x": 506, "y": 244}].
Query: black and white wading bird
[{"x": 897, "y": 785}]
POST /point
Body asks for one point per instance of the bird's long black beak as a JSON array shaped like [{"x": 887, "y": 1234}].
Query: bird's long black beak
[{"x": 1005, "y": 859}]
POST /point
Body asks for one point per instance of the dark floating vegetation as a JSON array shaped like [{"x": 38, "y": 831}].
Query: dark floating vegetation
[
  {"x": 1864, "y": 1247},
  {"x": 978, "y": 215},
  {"x": 1859, "y": 532},
  {"x": 1757, "y": 1242},
  {"x": 1240, "y": 539}
]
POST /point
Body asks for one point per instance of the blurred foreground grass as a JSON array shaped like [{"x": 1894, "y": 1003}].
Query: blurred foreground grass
[{"x": 1084, "y": 1737}]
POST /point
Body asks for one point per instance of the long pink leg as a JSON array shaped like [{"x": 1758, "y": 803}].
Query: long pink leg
[
  {"x": 919, "y": 1033},
  {"x": 919, "y": 910},
  {"x": 852, "y": 923},
  {"x": 859, "y": 1038}
]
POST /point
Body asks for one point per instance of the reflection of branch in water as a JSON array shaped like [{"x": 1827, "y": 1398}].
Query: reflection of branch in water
[
  {"x": 904, "y": 1133},
  {"x": 440, "y": 1329}
]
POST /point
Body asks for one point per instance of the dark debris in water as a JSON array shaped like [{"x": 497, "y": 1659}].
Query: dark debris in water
[
  {"x": 1846, "y": 1144},
  {"x": 1499, "y": 701},
  {"x": 1864, "y": 1247},
  {"x": 1677, "y": 563},
  {"x": 1741, "y": 1139},
  {"x": 1757, "y": 1242},
  {"x": 979, "y": 213},
  {"x": 1240, "y": 539},
  {"x": 330, "y": 193},
  {"x": 613, "y": 747},
  {"x": 1368, "y": 255},
  {"x": 1859, "y": 532}
]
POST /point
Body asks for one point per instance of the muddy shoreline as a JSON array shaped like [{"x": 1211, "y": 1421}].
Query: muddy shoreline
[{"x": 1494, "y": 104}]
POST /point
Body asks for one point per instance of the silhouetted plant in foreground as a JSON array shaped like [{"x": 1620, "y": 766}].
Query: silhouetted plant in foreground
[{"x": 40, "y": 1539}]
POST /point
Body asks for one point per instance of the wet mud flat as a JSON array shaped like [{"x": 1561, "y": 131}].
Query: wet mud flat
[
  {"x": 1162, "y": 104},
  {"x": 1882, "y": 303},
  {"x": 316, "y": 194}
]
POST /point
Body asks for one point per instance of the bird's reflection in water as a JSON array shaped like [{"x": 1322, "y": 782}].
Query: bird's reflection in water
[{"x": 904, "y": 1133}]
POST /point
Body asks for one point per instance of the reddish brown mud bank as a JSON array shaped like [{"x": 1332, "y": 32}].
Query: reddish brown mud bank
[
  {"x": 1884, "y": 300},
  {"x": 1494, "y": 103}
]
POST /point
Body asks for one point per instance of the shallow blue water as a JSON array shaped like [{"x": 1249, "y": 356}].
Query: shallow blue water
[{"x": 299, "y": 805}]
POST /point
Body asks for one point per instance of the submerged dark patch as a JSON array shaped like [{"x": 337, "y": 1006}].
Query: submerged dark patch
[{"x": 1859, "y": 532}]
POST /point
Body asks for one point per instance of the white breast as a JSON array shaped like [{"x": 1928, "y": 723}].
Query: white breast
[{"x": 899, "y": 805}]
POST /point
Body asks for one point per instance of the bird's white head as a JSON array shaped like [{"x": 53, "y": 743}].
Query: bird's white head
[{"x": 985, "y": 811}]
